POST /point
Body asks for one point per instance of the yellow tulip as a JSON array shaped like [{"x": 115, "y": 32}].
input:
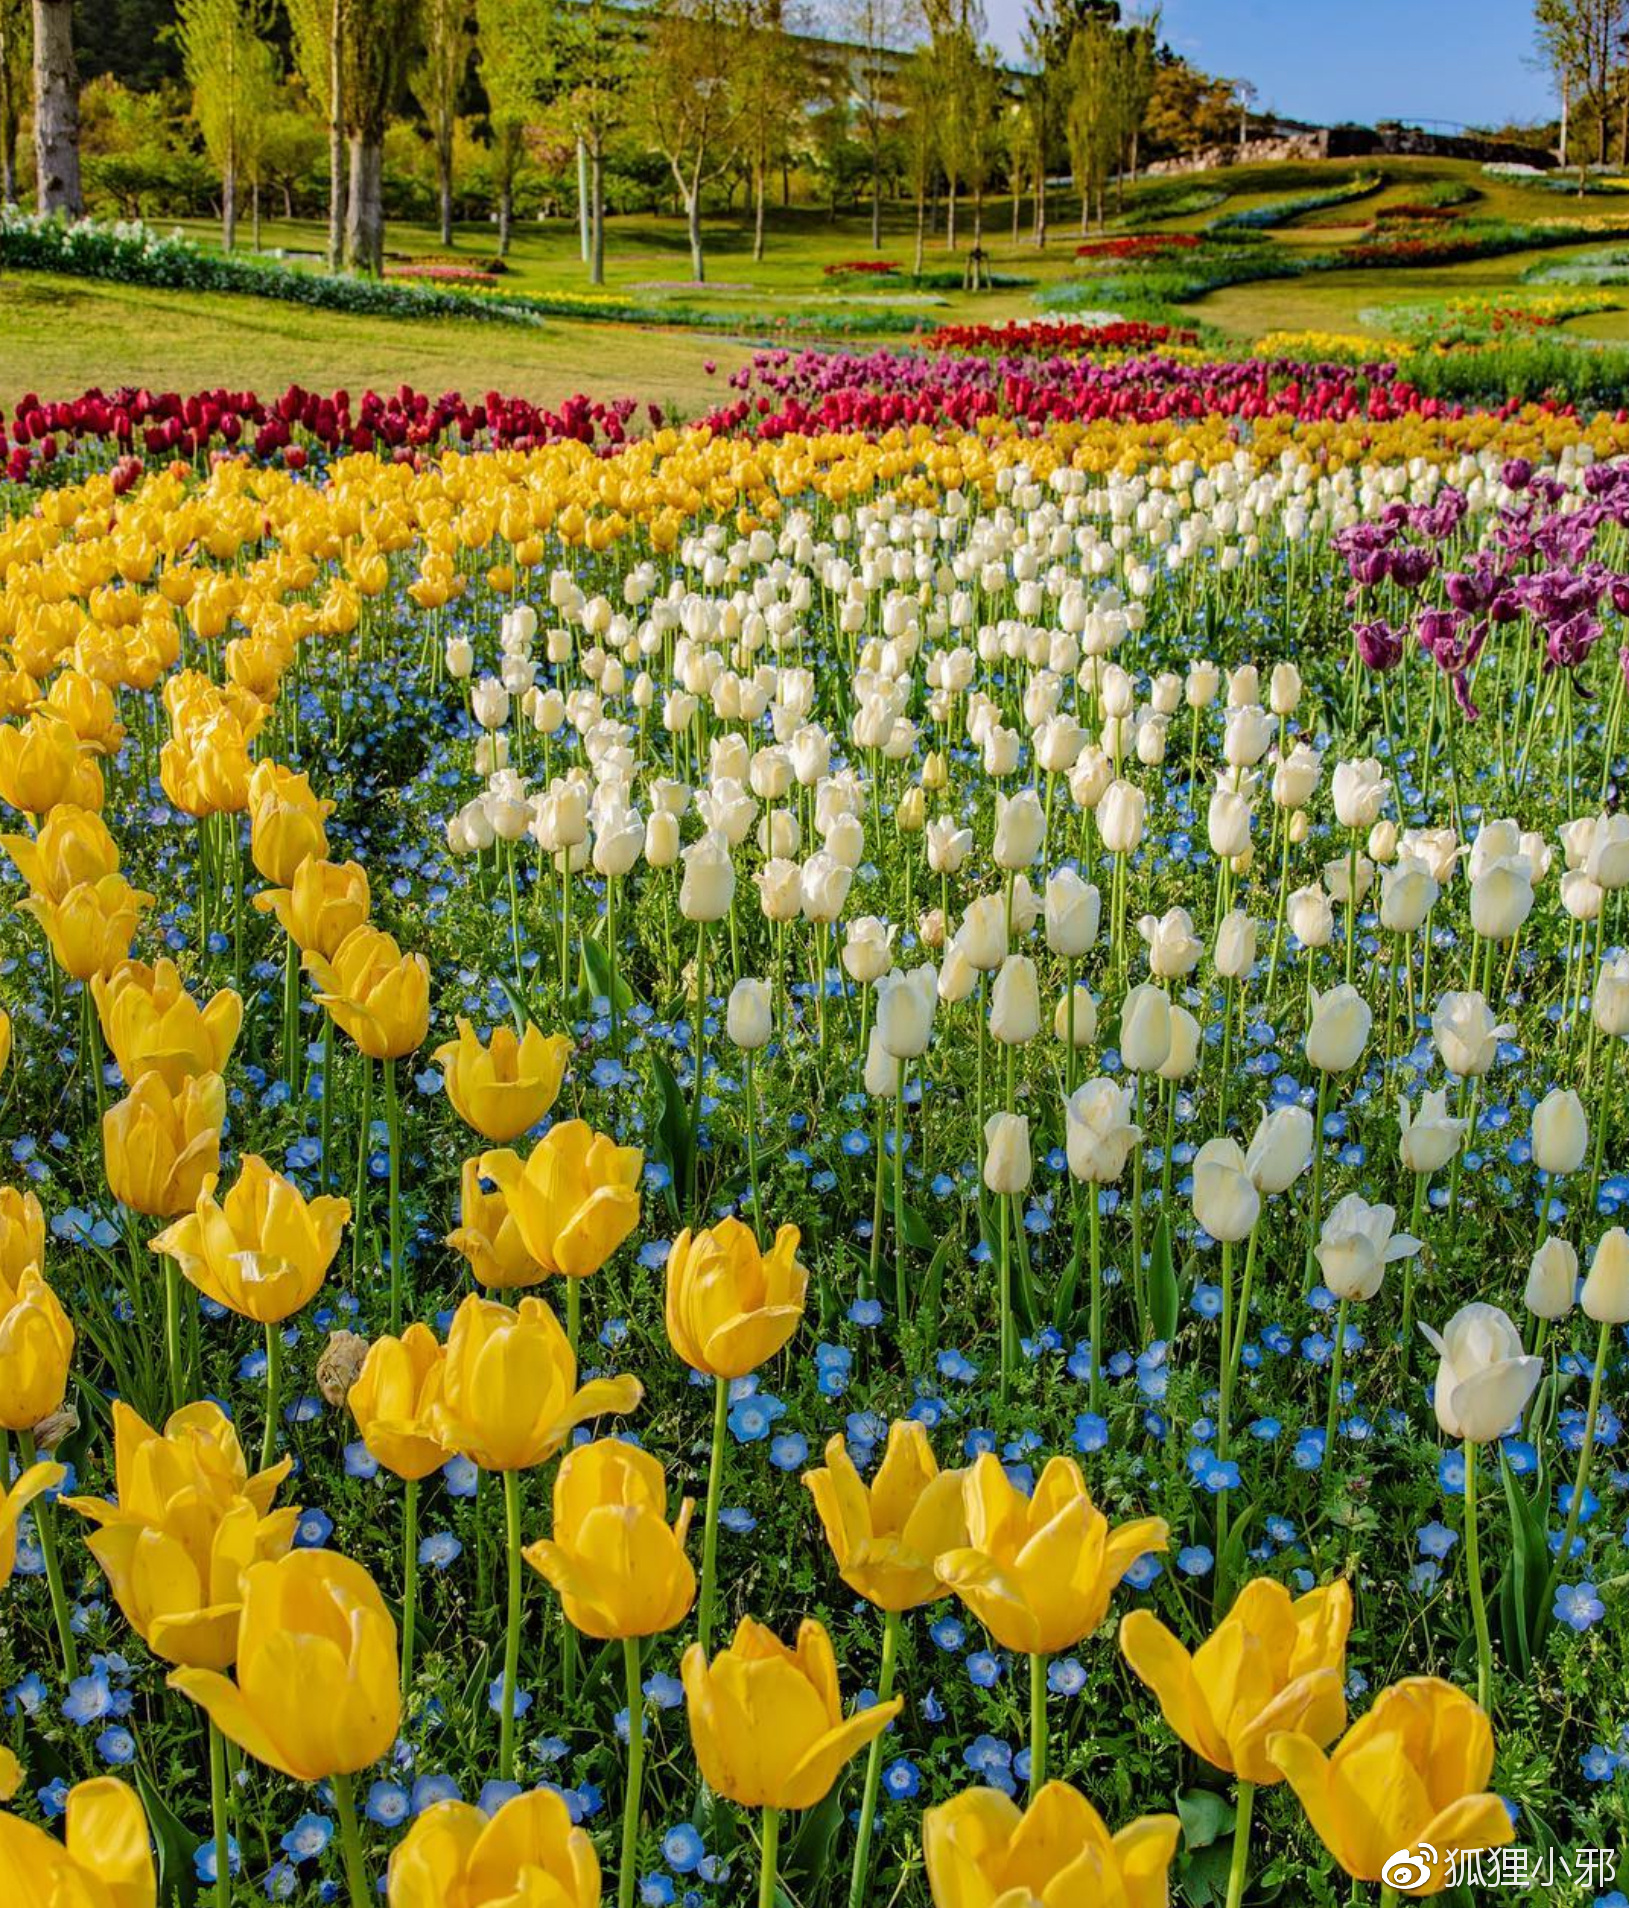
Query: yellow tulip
[
  {"x": 620, "y": 1570},
  {"x": 504, "y": 1088},
  {"x": 320, "y": 906},
  {"x": 88, "y": 707},
  {"x": 1271, "y": 1664},
  {"x": 285, "y": 823},
  {"x": 161, "y": 1147},
  {"x": 887, "y": 1538},
  {"x": 11, "y": 1774},
  {"x": 509, "y": 1396},
  {"x": 376, "y": 994},
  {"x": 264, "y": 1250},
  {"x": 104, "y": 1861},
  {"x": 38, "y": 760},
  {"x": 575, "y": 1199},
  {"x": 316, "y": 1691},
  {"x": 488, "y": 1237},
  {"x": 73, "y": 846},
  {"x": 90, "y": 929},
  {"x": 393, "y": 1398},
  {"x": 36, "y": 1349},
  {"x": 5, "y": 1042},
  {"x": 187, "y": 1523},
  {"x": 455, "y": 1857},
  {"x": 767, "y": 1723},
  {"x": 22, "y": 1238},
  {"x": 980, "y": 1849},
  {"x": 1413, "y": 1771},
  {"x": 34, "y": 1482},
  {"x": 151, "y": 1022},
  {"x": 730, "y": 1307},
  {"x": 206, "y": 771},
  {"x": 1038, "y": 1572}
]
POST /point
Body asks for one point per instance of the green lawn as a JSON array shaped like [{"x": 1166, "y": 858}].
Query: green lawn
[{"x": 60, "y": 335}]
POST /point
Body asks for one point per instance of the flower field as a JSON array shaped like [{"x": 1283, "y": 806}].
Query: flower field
[{"x": 867, "y": 1154}]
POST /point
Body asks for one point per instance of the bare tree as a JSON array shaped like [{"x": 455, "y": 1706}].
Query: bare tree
[
  {"x": 1584, "y": 42},
  {"x": 56, "y": 110}
]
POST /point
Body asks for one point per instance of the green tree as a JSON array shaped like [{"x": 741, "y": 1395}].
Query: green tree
[
  {"x": 56, "y": 110},
  {"x": 518, "y": 64},
  {"x": 318, "y": 31},
  {"x": 599, "y": 59},
  {"x": 233, "y": 75},
  {"x": 14, "y": 60},
  {"x": 378, "y": 40},
  {"x": 437, "y": 83},
  {"x": 688, "y": 106}
]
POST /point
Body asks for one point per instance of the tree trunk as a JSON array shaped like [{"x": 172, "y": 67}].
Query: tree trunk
[
  {"x": 9, "y": 108},
  {"x": 596, "y": 209},
  {"x": 229, "y": 206},
  {"x": 337, "y": 208},
  {"x": 760, "y": 180},
  {"x": 364, "y": 211},
  {"x": 1566, "y": 103},
  {"x": 506, "y": 214},
  {"x": 692, "y": 216},
  {"x": 1017, "y": 205},
  {"x": 582, "y": 201},
  {"x": 444, "y": 183},
  {"x": 921, "y": 225},
  {"x": 56, "y": 110},
  {"x": 876, "y": 191},
  {"x": 950, "y": 216},
  {"x": 1040, "y": 202}
]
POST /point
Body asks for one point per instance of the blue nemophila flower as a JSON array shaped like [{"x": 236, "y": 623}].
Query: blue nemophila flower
[
  {"x": 1065, "y": 1676},
  {"x": 206, "y": 1865},
  {"x": 1578, "y": 1605},
  {"x": 901, "y": 1779},
  {"x": 1598, "y": 1763},
  {"x": 984, "y": 1669},
  {"x": 949, "y": 1632},
  {"x": 739, "y": 1522},
  {"x": 308, "y": 1838},
  {"x": 789, "y": 1451},
  {"x": 313, "y": 1530},
  {"x": 1091, "y": 1432},
  {"x": 440, "y": 1549},
  {"x": 750, "y": 1420},
  {"x": 682, "y": 1849},
  {"x": 1436, "y": 1539},
  {"x": 360, "y": 1461},
  {"x": 461, "y": 1476},
  {"x": 428, "y": 1790},
  {"x": 655, "y": 1890},
  {"x": 116, "y": 1746},
  {"x": 495, "y": 1794},
  {"x": 1194, "y": 1560}
]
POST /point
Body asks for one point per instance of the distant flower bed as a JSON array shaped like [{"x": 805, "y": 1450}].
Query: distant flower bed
[
  {"x": 442, "y": 273},
  {"x": 863, "y": 268},
  {"x": 1327, "y": 347},
  {"x": 1138, "y": 245},
  {"x": 1018, "y": 338}
]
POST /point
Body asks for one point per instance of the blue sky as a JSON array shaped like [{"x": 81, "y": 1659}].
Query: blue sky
[{"x": 1327, "y": 60}]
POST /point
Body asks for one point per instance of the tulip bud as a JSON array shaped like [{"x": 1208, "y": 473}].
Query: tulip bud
[
  {"x": 1015, "y": 1002},
  {"x": 1006, "y": 1153},
  {"x": 1084, "y": 1016},
  {"x": 1606, "y": 1290},
  {"x": 1145, "y": 1029},
  {"x": 1560, "y": 1132},
  {"x": 747, "y": 1018},
  {"x": 1552, "y": 1280},
  {"x": 1225, "y": 1202}
]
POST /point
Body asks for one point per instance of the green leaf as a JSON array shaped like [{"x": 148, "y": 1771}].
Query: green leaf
[
  {"x": 672, "y": 1135},
  {"x": 1523, "y": 1617},
  {"x": 1204, "y": 1815},
  {"x": 520, "y": 1010},
  {"x": 597, "y": 980},
  {"x": 811, "y": 1852},
  {"x": 177, "y": 1877},
  {"x": 1162, "y": 1283}
]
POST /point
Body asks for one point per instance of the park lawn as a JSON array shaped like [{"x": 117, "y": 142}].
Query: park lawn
[{"x": 59, "y": 336}]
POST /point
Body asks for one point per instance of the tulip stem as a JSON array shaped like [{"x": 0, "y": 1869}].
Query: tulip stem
[
  {"x": 873, "y": 1766},
  {"x": 899, "y": 1199},
  {"x": 752, "y": 1137},
  {"x": 1238, "y": 1868},
  {"x": 327, "y": 1126},
  {"x": 410, "y": 1582},
  {"x": 45, "y": 1526},
  {"x": 628, "y": 1875},
  {"x": 1315, "y": 1210},
  {"x": 1580, "y": 1483},
  {"x": 1389, "y": 1897},
  {"x": 172, "y": 1328},
  {"x": 1037, "y": 1723},
  {"x": 771, "y": 1865},
  {"x": 1421, "y": 1182},
  {"x": 393, "y": 1120},
  {"x": 274, "y": 1387},
  {"x": 1005, "y": 1273},
  {"x": 1473, "y": 1571},
  {"x": 511, "y": 1641},
  {"x": 1332, "y": 1421},
  {"x": 699, "y": 1043},
  {"x": 350, "y": 1838},
  {"x": 1094, "y": 1227},
  {"x": 217, "y": 1815},
  {"x": 364, "y": 1120},
  {"x": 709, "y": 1540}
]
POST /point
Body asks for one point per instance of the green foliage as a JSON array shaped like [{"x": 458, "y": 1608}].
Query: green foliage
[{"x": 1262, "y": 218}]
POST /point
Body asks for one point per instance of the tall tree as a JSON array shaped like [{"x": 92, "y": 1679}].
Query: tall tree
[
  {"x": 690, "y": 108},
  {"x": 517, "y": 53},
  {"x": 438, "y": 83},
  {"x": 378, "y": 40},
  {"x": 1095, "y": 120},
  {"x": 14, "y": 58},
  {"x": 1050, "y": 27},
  {"x": 319, "y": 29},
  {"x": 877, "y": 30},
  {"x": 56, "y": 110},
  {"x": 1585, "y": 42},
  {"x": 233, "y": 75},
  {"x": 919, "y": 94},
  {"x": 772, "y": 82},
  {"x": 598, "y": 59}
]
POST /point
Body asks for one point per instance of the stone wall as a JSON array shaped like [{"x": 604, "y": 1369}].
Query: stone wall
[{"x": 1350, "y": 142}]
